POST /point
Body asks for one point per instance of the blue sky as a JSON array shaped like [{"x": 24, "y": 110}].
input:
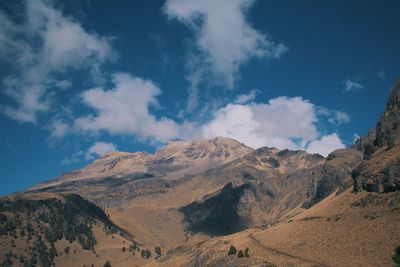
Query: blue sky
[{"x": 83, "y": 78}]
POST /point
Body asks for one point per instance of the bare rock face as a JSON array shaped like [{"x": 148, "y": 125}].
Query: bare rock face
[
  {"x": 388, "y": 127},
  {"x": 333, "y": 174},
  {"x": 380, "y": 168},
  {"x": 217, "y": 214}
]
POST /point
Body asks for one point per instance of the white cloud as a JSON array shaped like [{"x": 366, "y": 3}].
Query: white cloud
[
  {"x": 351, "y": 85},
  {"x": 224, "y": 41},
  {"x": 45, "y": 43},
  {"x": 244, "y": 98},
  {"x": 282, "y": 122},
  {"x": 325, "y": 145},
  {"x": 99, "y": 149},
  {"x": 124, "y": 110}
]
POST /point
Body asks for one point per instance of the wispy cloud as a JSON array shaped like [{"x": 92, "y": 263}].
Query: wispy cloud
[
  {"x": 352, "y": 85},
  {"x": 44, "y": 46},
  {"x": 94, "y": 151},
  {"x": 224, "y": 41},
  {"x": 336, "y": 117},
  {"x": 74, "y": 158},
  {"x": 381, "y": 75},
  {"x": 244, "y": 98}
]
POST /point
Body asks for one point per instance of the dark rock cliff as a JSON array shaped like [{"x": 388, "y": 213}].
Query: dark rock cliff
[{"x": 380, "y": 169}]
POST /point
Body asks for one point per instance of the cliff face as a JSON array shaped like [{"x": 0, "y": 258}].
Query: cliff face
[
  {"x": 380, "y": 169},
  {"x": 333, "y": 174},
  {"x": 388, "y": 127}
]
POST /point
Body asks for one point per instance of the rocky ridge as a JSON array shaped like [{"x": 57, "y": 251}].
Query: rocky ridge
[{"x": 380, "y": 168}]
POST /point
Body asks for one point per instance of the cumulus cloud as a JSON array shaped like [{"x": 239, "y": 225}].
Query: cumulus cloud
[
  {"x": 351, "y": 85},
  {"x": 124, "y": 110},
  {"x": 224, "y": 41},
  {"x": 99, "y": 149},
  {"x": 44, "y": 46},
  {"x": 283, "y": 122},
  {"x": 325, "y": 145}
]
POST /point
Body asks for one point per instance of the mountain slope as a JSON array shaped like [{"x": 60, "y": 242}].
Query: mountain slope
[
  {"x": 46, "y": 229},
  {"x": 342, "y": 230}
]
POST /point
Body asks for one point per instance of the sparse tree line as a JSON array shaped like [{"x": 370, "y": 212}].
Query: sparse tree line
[
  {"x": 240, "y": 254},
  {"x": 48, "y": 221}
]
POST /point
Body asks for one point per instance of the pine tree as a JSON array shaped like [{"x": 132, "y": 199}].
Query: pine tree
[{"x": 232, "y": 250}]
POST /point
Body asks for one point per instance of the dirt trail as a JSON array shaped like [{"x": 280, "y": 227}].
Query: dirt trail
[{"x": 282, "y": 253}]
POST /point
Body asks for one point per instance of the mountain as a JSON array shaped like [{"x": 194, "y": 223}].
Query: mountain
[
  {"x": 175, "y": 160},
  {"x": 190, "y": 191},
  {"x": 186, "y": 204}
]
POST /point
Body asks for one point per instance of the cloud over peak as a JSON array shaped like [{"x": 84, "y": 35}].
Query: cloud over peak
[
  {"x": 99, "y": 149},
  {"x": 282, "y": 122}
]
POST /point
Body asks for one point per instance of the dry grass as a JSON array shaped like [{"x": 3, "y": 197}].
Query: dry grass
[{"x": 338, "y": 234}]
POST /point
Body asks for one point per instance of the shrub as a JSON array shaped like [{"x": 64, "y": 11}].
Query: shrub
[
  {"x": 66, "y": 250},
  {"x": 133, "y": 246},
  {"x": 232, "y": 250},
  {"x": 145, "y": 253},
  {"x": 107, "y": 264},
  {"x": 157, "y": 250},
  {"x": 246, "y": 253},
  {"x": 240, "y": 254}
]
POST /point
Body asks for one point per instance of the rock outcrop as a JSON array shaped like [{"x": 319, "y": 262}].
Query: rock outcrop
[
  {"x": 333, "y": 174},
  {"x": 388, "y": 127},
  {"x": 380, "y": 169}
]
